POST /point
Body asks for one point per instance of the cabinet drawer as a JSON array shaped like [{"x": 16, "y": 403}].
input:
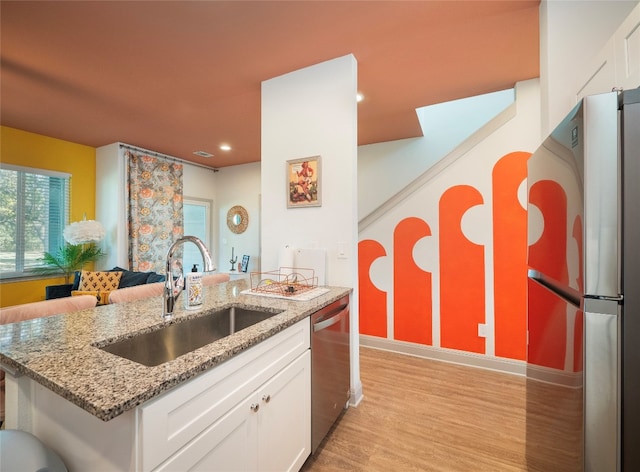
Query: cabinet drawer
[{"x": 170, "y": 421}]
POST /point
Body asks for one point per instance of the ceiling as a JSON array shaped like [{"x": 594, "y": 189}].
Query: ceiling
[{"x": 179, "y": 77}]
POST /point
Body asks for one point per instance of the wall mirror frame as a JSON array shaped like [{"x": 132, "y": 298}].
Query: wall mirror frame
[{"x": 237, "y": 219}]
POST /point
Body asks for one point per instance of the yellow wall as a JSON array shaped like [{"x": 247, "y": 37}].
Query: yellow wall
[{"x": 34, "y": 150}]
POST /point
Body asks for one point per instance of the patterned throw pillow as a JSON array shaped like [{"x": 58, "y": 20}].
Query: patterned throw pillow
[
  {"x": 99, "y": 281},
  {"x": 98, "y": 284}
]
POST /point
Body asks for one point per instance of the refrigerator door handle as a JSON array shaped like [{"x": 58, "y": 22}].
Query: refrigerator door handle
[
  {"x": 566, "y": 292},
  {"x": 618, "y": 299}
]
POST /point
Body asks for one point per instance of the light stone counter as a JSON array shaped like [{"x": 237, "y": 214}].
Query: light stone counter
[{"x": 59, "y": 351}]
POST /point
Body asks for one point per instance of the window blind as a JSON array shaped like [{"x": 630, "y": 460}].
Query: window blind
[{"x": 34, "y": 209}]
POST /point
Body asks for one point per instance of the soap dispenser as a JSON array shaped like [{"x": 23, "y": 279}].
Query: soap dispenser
[{"x": 193, "y": 288}]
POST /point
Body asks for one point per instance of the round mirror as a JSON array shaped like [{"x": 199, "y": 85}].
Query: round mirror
[{"x": 237, "y": 219}]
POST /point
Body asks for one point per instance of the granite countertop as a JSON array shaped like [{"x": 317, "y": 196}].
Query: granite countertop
[{"x": 58, "y": 351}]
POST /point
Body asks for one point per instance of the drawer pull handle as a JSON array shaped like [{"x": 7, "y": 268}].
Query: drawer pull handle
[
  {"x": 266, "y": 398},
  {"x": 255, "y": 407}
]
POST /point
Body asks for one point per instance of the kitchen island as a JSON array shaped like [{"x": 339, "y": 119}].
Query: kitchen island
[{"x": 100, "y": 408}]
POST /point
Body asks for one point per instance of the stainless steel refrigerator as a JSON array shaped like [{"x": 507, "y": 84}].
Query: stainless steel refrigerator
[{"x": 583, "y": 355}]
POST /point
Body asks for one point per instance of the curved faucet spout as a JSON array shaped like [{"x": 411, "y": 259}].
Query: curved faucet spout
[{"x": 172, "y": 289}]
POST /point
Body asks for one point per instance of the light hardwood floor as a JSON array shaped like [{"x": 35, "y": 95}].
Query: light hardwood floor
[{"x": 423, "y": 415}]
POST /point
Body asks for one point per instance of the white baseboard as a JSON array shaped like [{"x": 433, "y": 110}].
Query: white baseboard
[
  {"x": 356, "y": 395},
  {"x": 497, "y": 364},
  {"x": 554, "y": 376},
  {"x": 507, "y": 366}
]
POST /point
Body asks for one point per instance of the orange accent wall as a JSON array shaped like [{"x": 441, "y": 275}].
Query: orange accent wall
[
  {"x": 549, "y": 253},
  {"x": 412, "y": 305},
  {"x": 578, "y": 329},
  {"x": 548, "y": 328},
  {"x": 372, "y": 301},
  {"x": 462, "y": 272},
  {"x": 510, "y": 257},
  {"x": 462, "y": 287},
  {"x": 33, "y": 150}
]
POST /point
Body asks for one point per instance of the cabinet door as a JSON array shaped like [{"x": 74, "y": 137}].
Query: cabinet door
[
  {"x": 617, "y": 64},
  {"x": 230, "y": 444},
  {"x": 627, "y": 51},
  {"x": 284, "y": 419},
  {"x": 600, "y": 77}
]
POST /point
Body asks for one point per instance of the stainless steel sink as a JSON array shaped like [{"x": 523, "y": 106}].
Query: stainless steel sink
[{"x": 170, "y": 342}]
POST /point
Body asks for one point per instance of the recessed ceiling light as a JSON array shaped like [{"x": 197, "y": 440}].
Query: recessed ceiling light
[
  {"x": 225, "y": 147},
  {"x": 203, "y": 154},
  {"x": 359, "y": 97}
]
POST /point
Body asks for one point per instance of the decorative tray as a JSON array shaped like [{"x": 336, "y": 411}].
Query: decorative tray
[{"x": 284, "y": 282}]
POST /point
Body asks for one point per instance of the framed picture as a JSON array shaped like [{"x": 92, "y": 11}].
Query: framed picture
[
  {"x": 304, "y": 182},
  {"x": 245, "y": 263}
]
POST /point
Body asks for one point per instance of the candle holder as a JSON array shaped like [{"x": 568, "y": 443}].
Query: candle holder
[{"x": 233, "y": 261}]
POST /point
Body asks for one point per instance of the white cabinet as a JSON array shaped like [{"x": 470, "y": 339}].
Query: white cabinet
[
  {"x": 250, "y": 413},
  {"x": 268, "y": 430},
  {"x": 626, "y": 43},
  {"x": 206, "y": 423},
  {"x": 230, "y": 444},
  {"x": 284, "y": 418},
  {"x": 601, "y": 75},
  {"x": 617, "y": 65}
]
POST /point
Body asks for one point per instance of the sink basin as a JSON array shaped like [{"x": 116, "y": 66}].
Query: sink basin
[{"x": 170, "y": 342}]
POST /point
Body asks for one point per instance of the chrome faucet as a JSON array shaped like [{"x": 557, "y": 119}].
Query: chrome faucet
[{"x": 173, "y": 288}]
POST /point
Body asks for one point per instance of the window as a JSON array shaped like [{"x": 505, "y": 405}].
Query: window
[
  {"x": 197, "y": 222},
  {"x": 34, "y": 209}
]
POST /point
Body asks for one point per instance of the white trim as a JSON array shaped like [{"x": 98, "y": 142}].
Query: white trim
[
  {"x": 208, "y": 205},
  {"x": 35, "y": 170},
  {"x": 554, "y": 376},
  {"x": 356, "y": 395},
  {"x": 507, "y": 366}
]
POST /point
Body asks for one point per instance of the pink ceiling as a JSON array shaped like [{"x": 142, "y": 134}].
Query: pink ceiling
[{"x": 178, "y": 77}]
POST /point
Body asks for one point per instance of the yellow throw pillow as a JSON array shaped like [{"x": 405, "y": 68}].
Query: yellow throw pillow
[
  {"x": 99, "y": 281},
  {"x": 102, "y": 296}
]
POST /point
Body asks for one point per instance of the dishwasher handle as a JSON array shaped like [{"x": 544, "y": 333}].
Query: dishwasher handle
[{"x": 332, "y": 318}]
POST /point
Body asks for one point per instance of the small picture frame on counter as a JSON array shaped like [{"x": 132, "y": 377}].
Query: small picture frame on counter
[{"x": 245, "y": 263}]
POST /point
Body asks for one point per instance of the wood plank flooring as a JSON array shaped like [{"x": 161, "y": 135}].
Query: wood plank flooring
[{"x": 423, "y": 415}]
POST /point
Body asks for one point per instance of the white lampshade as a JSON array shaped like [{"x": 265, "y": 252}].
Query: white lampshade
[{"x": 82, "y": 232}]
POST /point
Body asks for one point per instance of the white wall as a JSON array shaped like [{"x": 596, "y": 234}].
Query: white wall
[
  {"x": 238, "y": 185},
  {"x": 571, "y": 34},
  {"x": 111, "y": 203},
  {"x": 386, "y": 168},
  {"x": 309, "y": 112}
]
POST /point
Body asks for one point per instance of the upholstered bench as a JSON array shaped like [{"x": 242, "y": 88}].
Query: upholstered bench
[
  {"x": 28, "y": 311},
  {"x": 155, "y": 289}
]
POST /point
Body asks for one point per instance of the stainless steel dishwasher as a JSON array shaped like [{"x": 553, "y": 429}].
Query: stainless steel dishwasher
[{"x": 330, "y": 367}]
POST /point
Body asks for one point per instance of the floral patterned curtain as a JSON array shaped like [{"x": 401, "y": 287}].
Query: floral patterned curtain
[{"x": 155, "y": 209}]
